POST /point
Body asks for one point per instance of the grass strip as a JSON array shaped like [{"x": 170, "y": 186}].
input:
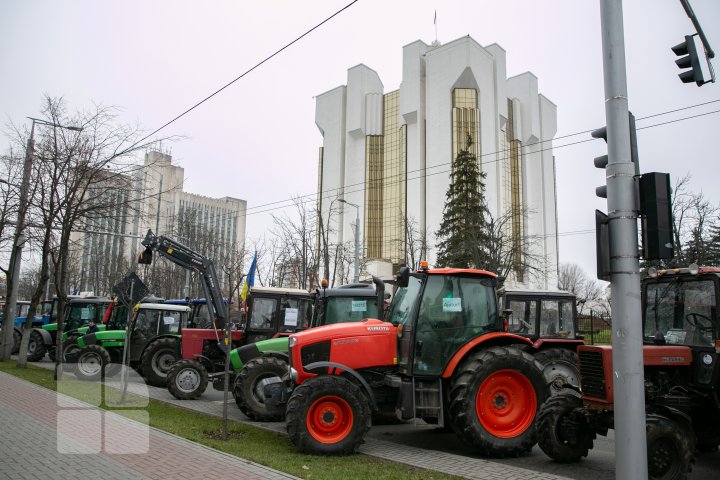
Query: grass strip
[{"x": 247, "y": 442}]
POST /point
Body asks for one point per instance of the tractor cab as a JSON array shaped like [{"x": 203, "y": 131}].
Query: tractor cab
[
  {"x": 540, "y": 313},
  {"x": 274, "y": 312},
  {"x": 437, "y": 312},
  {"x": 680, "y": 307},
  {"x": 347, "y": 303}
]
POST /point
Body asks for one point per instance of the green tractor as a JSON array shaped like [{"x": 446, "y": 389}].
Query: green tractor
[
  {"x": 78, "y": 313},
  {"x": 155, "y": 332},
  {"x": 264, "y": 362}
]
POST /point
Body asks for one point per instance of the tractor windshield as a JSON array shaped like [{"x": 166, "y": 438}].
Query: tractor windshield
[
  {"x": 80, "y": 314},
  {"x": 454, "y": 309},
  {"x": 347, "y": 309},
  {"x": 681, "y": 312}
]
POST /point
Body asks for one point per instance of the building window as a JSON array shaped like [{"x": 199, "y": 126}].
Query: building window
[{"x": 465, "y": 121}]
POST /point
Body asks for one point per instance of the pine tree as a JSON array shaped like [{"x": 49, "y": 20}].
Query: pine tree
[{"x": 463, "y": 233}]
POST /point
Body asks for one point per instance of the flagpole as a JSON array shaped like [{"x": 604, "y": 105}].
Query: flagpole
[{"x": 435, "y": 22}]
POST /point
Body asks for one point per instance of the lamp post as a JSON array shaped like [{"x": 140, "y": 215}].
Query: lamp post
[
  {"x": 356, "y": 275},
  {"x": 19, "y": 240}
]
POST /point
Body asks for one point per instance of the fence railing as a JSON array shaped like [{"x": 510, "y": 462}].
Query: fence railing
[{"x": 597, "y": 328}]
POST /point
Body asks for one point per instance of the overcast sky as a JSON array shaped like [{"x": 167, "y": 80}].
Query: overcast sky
[{"x": 257, "y": 139}]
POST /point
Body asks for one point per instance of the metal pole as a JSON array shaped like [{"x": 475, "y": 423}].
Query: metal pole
[
  {"x": 628, "y": 377},
  {"x": 356, "y": 276},
  {"x": 186, "y": 288},
  {"x": 18, "y": 242}
]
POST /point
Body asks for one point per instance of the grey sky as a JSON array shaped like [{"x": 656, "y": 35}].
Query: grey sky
[{"x": 257, "y": 140}]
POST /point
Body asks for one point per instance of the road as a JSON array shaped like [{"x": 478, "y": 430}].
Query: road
[{"x": 599, "y": 465}]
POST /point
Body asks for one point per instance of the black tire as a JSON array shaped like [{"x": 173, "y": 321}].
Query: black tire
[
  {"x": 52, "y": 353},
  {"x": 563, "y": 431},
  {"x": 92, "y": 361},
  {"x": 157, "y": 359},
  {"x": 36, "y": 347},
  {"x": 327, "y": 415},
  {"x": 560, "y": 368},
  {"x": 70, "y": 347},
  {"x": 17, "y": 338},
  {"x": 670, "y": 448},
  {"x": 494, "y": 398},
  {"x": 187, "y": 379},
  {"x": 249, "y": 384}
]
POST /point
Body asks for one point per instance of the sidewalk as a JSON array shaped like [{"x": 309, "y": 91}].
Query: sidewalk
[
  {"x": 452, "y": 464},
  {"x": 29, "y": 442}
]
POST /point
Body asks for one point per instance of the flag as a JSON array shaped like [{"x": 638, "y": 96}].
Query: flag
[{"x": 249, "y": 279}]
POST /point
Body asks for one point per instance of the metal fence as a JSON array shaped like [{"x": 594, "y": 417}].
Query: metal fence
[{"x": 596, "y": 327}]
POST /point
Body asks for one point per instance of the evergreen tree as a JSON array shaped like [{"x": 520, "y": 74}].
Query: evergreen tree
[{"x": 463, "y": 233}]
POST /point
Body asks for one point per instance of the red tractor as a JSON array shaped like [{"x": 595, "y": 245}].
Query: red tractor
[
  {"x": 444, "y": 356},
  {"x": 681, "y": 353}
]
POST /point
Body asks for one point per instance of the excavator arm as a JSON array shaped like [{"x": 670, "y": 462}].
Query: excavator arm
[{"x": 186, "y": 257}]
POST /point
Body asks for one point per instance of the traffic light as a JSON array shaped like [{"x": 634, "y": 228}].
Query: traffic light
[
  {"x": 656, "y": 216},
  {"x": 602, "y": 243},
  {"x": 689, "y": 60},
  {"x": 602, "y": 161}
]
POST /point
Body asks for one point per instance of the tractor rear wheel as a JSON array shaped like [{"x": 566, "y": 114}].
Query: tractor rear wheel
[
  {"x": 249, "y": 388},
  {"x": 36, "y": 347},
  {"x": 495, "y": 396},
  {"x": 157, "y": 359},
  {"x": 669, "y": 448},
  {"x": 327, "y": 415},
  {"x": 560, "y": 367},
  {"x": 187, "y": 379},
  {"x": 17, "y": 338},
  {"x": 563, "y": 433},
  {"x": 92, "y": 361}
]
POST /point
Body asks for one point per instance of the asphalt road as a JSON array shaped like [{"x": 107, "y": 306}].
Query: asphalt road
[{"x": 599, "y": 465}]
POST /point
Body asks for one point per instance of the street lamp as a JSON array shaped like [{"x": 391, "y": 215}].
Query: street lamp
[
  {"x": 19, "y": 240},
  {"x": 356, "y": 276}
]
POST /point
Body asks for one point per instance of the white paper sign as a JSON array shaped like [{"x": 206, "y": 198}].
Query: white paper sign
[
  {"x": 169, "y": 320},
  {"x": 291, "y": 317},
  {"x": 452, "y": 305},
  {"x": 85, "y": 314},
  {"x": 359, "y": 305}
]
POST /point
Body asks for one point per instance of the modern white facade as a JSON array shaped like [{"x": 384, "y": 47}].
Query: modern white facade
[
  {"x": 390, "y": 153},
  {"x": 111, "y": 243}
]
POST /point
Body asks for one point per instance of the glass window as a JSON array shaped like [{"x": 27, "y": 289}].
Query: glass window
[
  {"x": 263, "y": 313},
  {"x": 146, "y": 323},
  {"x": 171, "y": 321},
  {"x": 567, "y": 325},
  {"x": 342, "y": 309},
  {"x": 201, "y": 316},
  {"x": 453, "y": 311},
  {"x": 549, "y": 318},
  {"x": 681, "y": 312},
  {"x": 80, "y": 315},
  {"x": 523, "y": 318},
  {"x": 23, "y": 310},
  {"x": 400, "y": 313},
  {"x": 295, "y": 314}
]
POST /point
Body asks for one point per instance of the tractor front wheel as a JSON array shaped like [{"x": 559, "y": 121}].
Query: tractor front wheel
[
  {"x": 36, "y": 347},
  {"x": 92, "y": 360},
  {"x": 669, "y": 448},
  {"x": 70, "y": 349},
  {"x": 187, "y": 379},
  {"x": 157, "y": 359},
  {"x": 560, "y": 368},
  {"x": 327, "y": 415},
  {"x": 494, "y": 399},
  {"x": 563, "y": 433},
  {"x": 250, "y": 385}
]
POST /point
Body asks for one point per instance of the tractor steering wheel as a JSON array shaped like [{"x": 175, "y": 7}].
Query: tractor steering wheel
[{"x": 692, "y": 319}]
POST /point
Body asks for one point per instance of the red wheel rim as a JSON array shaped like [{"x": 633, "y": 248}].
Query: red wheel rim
[
  {"x": 506, "y": 403},
  {"x": 329, "y": 419}
]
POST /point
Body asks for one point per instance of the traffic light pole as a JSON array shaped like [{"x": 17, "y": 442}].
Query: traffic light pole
[{"x": 628, "y": 377}]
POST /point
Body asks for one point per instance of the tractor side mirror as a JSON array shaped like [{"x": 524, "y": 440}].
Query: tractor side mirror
[{"x": 402, "y": 279}]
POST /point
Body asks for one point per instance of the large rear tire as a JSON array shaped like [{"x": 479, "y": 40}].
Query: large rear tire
[
  {"x": 327, "y": 415},
  {"x": 249, "y": 388},
  {"x": 560, "y": 368},
  {"x": 36, "y": 347},
  {"x": 187, "y": 379},
  {"x": 157, "y": 359},
  {"x": 670, "y": 448},
  {"x": 17, "y": 338},
  {"x": 563, "y": 432},
  {"x": 495, "y": 396},
  {"x": 92, "y": 361}
]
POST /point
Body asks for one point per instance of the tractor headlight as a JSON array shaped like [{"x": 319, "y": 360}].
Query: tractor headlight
[
  {"x": 292, "y": 341},
  {"x": 293, "y": 374}
]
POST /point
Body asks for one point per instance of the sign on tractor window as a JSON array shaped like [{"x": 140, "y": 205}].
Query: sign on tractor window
[
  {"x": 359, "y": 305},
  {"x": 291, "y": 317},
  {"x": 452, "y": 305},
  {"x": 169, "y": 320}
]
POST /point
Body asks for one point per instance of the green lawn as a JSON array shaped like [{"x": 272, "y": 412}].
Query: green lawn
[{"x": 260, "y": 446}]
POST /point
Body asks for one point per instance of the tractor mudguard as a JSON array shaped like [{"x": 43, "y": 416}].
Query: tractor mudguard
[
  {"x": 486, "y": 340},
  {"x": 47, "y": 338},
  {"x": 273, "y": 347},
  {"x": 352, "y": 372},
  {"x": 672, "y": 412}
]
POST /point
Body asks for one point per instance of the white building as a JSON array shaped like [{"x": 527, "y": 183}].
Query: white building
[
  {"x": 159, "y": 204},
  {"x": 390, "y": 153}
]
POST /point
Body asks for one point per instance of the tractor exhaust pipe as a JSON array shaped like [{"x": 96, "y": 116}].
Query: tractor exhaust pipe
[{"x": 380, "y": 291}]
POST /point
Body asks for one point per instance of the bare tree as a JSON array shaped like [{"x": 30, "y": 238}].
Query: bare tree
[
  {"x": 416, "y": 242},
  {"x": 298, "y": 239},
  {"x": 572, "y": 278},
  {"x": 511, "y": 253}
]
